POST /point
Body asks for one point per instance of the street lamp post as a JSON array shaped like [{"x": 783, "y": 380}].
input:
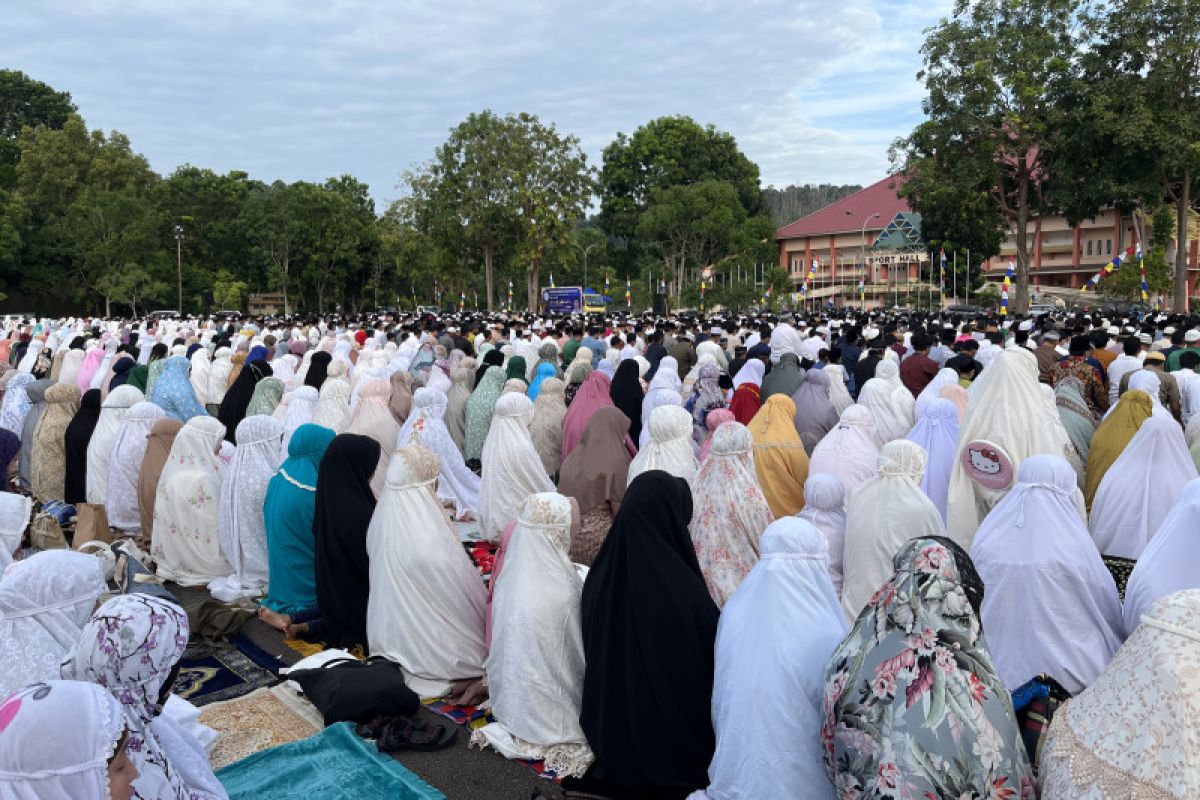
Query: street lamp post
[
  {"x": 585, "y": 251},
  {"x": 179, "y": 237},
  {"x": 862, "y": 248}
]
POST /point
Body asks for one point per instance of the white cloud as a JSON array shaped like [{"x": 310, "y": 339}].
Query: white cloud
[{"x": 813, "y": 91}]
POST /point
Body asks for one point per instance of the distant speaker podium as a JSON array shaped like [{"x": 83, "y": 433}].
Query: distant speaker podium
[{"x": 660, "y": 304}]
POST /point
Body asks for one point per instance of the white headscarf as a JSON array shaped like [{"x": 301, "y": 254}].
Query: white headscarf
[
  {"x": 1034, "y": 554},
  {"x": 45, "y": 600},
  {"x": 301, "y": 406},
  {"x": 1170, "y": 562},
  {"x": 201, "y": 366},
  {"x": 932, "y": 391},
  {"x": 784, "y": 339},
  {"x": 729, "y": 511},
  {"x": 1006, "y": 407},
  {"x": 217, "y": 378},
  {"x": 881, "y": 515},
  {"x": 937, "y": 434},
  {"x": 374, "y": 418},
  {"x": 751, "y": 372},
  {"x": 669, "y": 447},
  {"x": 891, "y": 410},
  {"x": 185, "y": 544},
  {"x": 839, "y": 395},
  {"x": 427, "y": 602},
  {"x": 16, "y": 403},
  {"x": 664, "y": 389},
  {"x": 333, "y": 405},
  {"x": 1140, "y": 487},
  {"x": 535, "y": 667},
  {"x": 112, "y": 414},
  {"x": 761, "y": 753},
  {"x": 512, "y": 469},
  {"x": 125, "y": 463},
  {"x": 242, "y": 531},
  {"x": 849, "y": 451},
  {"x": 825, "y": 507},
  {"x": 1132, "y": 730},
  {"x": 57, "y": 741},
  {"x": 426, "y": 426}
]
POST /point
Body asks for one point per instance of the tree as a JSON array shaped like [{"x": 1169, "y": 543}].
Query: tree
[
  {"x": 334, "y": 226},
  {"x": 132, "y": 285},
  {"x": 462, "y": 197},
  {"x": 552, "y": 185},
  {"x": 667, "y": 152},
  {"x": 227, "y": 290},
  {"x": 26, "y": 103},
  {"x": 1132, "y": 138},
  {"x": 990, "y": 72},
  {"x": 272, "y": 214},
  {"x": 792, "y": 202},
  {"x": 14, "y": 221},
  {"x": 690, "y": 225}
]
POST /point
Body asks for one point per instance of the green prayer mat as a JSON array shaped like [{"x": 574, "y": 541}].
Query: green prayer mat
[{"x": 333, "y": 765}]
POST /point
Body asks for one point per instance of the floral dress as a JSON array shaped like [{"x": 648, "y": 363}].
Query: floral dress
[{"x": 913, "y": 706}]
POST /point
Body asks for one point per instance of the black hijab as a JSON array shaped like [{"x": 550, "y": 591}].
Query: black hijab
[
  {"x": 626, "y": 394},
  {"x": 121, "y": 367},
  {"x": 77, "y": 343},
  {"x": 318, "y": 369},
  {"x": 158, "y": 351},
  {"x": 649, "y": 629},
  {"x": 344, "y": 506},
  {"x": 492, "y": 358},
  {"x": 233, "y": 407},
  {"x": 79, "y": 433}
]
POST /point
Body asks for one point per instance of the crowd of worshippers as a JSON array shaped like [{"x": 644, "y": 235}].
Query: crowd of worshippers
[{"x": 787, "y": 556}]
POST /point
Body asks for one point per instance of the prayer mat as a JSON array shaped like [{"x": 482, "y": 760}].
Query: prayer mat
[
  {"x": 1121, "y": 569},
  {"x": 209, "y": 673},
  {"x": 251, "y": 724},
  {"x": 333, "y": 765},
  {"x": 304, "y": 648},
  {"x": 475, "y": 718}
]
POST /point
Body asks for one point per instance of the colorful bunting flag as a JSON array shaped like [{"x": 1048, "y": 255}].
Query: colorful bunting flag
[
  {"x": 628, "y": 294},
  {"x": 942, "y": 282},
  {"x": 510, "y": 295}
]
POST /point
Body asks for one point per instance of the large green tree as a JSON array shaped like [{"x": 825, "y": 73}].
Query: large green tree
[
  {"x": 25, "y": 103},
  {"x": 667, "y": 152},
  {"x": 990, "y": 73},
  {"x": 498, "y": 183},
  {"x": 1131, "y": 124}
]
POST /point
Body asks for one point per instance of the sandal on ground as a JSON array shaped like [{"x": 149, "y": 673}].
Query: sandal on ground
[{"x": 372, "y": 728}]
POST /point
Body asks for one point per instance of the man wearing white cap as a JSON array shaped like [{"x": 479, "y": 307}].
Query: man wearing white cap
[
  {"x": 712, "y": 346},
  {"x": 1191, "y": 341},
  {"x": 1128, "y": 361}
]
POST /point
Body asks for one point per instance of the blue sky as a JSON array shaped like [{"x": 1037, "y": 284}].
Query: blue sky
[{"x": 814, "y": 91}]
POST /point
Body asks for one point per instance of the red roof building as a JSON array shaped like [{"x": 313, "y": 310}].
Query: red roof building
[{"x": 871, "y": 237}]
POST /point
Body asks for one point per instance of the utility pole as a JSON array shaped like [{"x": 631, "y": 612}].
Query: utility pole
[
  {"x": 179, "y": 237},
  {"x": 585, "y": 251}
]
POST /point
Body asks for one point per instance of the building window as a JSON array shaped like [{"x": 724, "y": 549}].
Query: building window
[
  {"x": 1089, "y": 252},
  {"x": 1108, "y": 246}
]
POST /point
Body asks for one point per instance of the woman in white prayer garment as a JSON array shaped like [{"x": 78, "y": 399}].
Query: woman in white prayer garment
[
  {"x": 427, "y": 601},
  {"x": 1140, "y": 487},
  {"x": 535, "y": 667},
  {"x": 1035, "y": 554},
  {"x": 426, "y": 426},
  {"x": 1005, "y": 407},
  {"x": 512, "y": 469},
  {"x": 1170, "y": 562},
  {"x": 669, "y": 445},
  {"x": 881, "y": 515},
  {"x": 761, "y": 753}
]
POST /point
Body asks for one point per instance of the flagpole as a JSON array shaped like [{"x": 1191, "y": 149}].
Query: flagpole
[{"x": 954, "y": 277}]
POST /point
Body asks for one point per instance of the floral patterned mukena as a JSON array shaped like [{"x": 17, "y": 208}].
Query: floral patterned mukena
[
  {"x": 913, "y": 706},
  {"x": 129, "y": 647}
]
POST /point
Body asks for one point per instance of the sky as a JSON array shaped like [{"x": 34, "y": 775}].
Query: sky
[{"x": 813, "y": 91}]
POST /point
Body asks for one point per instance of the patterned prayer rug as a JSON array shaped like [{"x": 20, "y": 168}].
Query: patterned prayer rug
[
  {"x": 251, "y": 724},
  {"x": 209, "y": 673}
]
